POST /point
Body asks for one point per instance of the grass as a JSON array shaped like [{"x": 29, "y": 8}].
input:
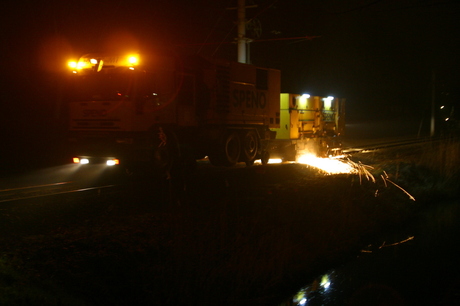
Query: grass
[
  {"x": 428, "y": 170},
  {"x": 248, "y": 236},
  {"x": 443, "y": 158}
]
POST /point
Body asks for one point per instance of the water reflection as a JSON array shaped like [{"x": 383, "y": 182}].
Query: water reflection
[
  {"x": 404, "y": 269},
  {"x": 349, "y": 285},
  {"x": 317, "y": 293}
]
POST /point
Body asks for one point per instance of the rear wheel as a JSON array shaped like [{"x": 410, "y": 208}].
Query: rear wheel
[
  {"x": 250, "y": 146},
  {"x": 227, "y": 152}
]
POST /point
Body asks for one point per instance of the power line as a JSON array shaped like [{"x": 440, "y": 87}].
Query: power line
[{"x": 256, "y": 40}]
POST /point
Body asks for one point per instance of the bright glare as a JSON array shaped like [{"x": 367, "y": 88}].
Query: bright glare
[
  {"x": 329, "y": 165},
  {"x": 303, "y": 101},
  {"x": 133, "y": 60},
  {"x": 84, "y": 161},
  {"x": 270, "y": 161},
  {"x": 112, "y": 162},
  {"x": 328, "y": 102},
  {"x": 76, "y": 65},
  {"x": 93, "y": 61},
  {"x": 300, "y": 298},
  {"x": 325, "y": 281}
]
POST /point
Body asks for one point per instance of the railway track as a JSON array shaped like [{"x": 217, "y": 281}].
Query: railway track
[
  {"x": 20, "y": 192},
  {"x": 374, "y": 145},
  {"x": 49, "y": 190}
]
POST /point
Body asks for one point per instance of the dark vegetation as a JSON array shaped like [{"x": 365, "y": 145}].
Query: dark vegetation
[{"x": 246, "y": 236}]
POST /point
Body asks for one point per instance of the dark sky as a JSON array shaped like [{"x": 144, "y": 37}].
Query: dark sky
[{"x": 379, "y": 54}]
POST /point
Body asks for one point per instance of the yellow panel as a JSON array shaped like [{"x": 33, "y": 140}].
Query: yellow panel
[{"x": 294, "y": 133}]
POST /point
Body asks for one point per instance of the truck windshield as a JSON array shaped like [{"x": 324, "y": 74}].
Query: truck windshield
[{"x": 114, "y": 84}]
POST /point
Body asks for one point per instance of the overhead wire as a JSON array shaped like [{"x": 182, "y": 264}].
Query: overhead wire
[{"x": 400, "y": 4}]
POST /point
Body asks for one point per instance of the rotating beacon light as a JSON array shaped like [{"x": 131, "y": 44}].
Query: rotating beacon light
[{"x": 98, "y": 61}]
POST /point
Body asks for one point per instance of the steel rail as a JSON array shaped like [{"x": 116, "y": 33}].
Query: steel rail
[
  {"x": 384, "y": 145},
  {"x": 34, "y": 186},
  {"x": 86, "y": 189}
]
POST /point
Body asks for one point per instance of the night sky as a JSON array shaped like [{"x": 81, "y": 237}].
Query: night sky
[{"x": 378, "y": 54}]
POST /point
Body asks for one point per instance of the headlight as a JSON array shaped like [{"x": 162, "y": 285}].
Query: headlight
[{"x": 113, "y": 162}]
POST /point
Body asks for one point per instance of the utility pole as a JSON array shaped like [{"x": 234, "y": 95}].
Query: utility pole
[
  {"x": 433, "y": 103},
  {"x": 242, "y": 58},
  {"x": 242, "y": 40}
]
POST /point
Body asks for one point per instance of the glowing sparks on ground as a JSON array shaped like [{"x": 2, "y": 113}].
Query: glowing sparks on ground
[
  {"x": 331, "y": 165},
  {"x": 342, "y": 165},
  {"x": 270, "y": 161}
]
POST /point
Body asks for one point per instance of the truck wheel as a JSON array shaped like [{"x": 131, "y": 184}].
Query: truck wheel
[
  {"x": 227, "y": 152},
  {"x": 250, "y": 146},
  {"x": 232, "y": 148}
]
